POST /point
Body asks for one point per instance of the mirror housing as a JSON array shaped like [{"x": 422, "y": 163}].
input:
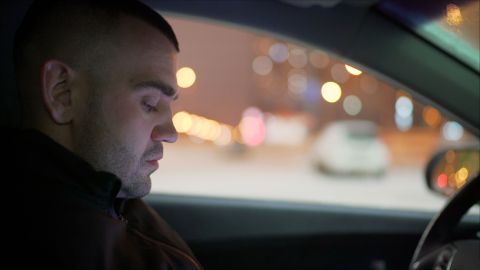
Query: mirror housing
[{"x": 450, "y": 169}]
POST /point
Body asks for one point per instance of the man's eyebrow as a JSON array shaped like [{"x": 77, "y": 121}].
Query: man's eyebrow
[{"x": 166, "y": 89}]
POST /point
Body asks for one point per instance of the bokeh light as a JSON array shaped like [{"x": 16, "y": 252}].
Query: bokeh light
[
  {"x": 206, "y": 129},
  {"x": 442, "y": 180},
  {"x": 196, "y": 125},
  {"x": 461, "y": 177},
  {"x": 215, "y": 130},
  {"x": 225, "y": 136},
  {"x": 262, "y": 65},
  {"x": 452, "y": 131},
  {"x": 352, "y": 105},
  {"x": 403, "y": 123},
  {"x": 312, "y": 93},
  {"x": 352, "y": 70},
  {"x": 297, "y": 58},
  {"x": 404, "y": 113},
  {"x": 278, "y": 52},
  {"x": 331, "y": 92},
  {"x": 404, "y": 106},
  {"x": 252, "y": 127},
  {"x": 454, "y": 15},
  {"x": 182, "y": 122},
  {"x": 431, "y": 116},
  {"x": 318, "y": 59},
  {"x": 202, "y": 129},
  {"x": 450, "y": 156},
  {"x": 186, "y": 77},
  {"x": 297, "y": 81}
]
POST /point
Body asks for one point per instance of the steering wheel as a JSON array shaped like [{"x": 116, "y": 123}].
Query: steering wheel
[{"x": 436, "y": 250}]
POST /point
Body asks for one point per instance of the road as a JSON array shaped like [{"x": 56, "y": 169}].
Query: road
[{"x": 285, "y": 174}]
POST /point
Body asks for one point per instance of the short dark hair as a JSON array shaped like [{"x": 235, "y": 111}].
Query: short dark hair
[{"x": 34, "y": 22}]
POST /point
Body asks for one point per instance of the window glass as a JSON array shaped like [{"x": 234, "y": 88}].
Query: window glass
[
  {"x": 452, "y": 25},
  {"x": 264, "y": 118}
]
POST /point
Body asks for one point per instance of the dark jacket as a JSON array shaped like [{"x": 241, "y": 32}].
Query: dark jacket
[{"x": 62, "y": 214}]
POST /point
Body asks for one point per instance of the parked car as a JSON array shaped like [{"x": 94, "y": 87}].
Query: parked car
[{"x": 351, "y": 147}]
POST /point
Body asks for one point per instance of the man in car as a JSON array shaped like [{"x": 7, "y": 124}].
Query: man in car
[{"x": 96, "y": 80}]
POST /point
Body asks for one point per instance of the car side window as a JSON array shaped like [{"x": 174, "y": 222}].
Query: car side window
[{"x": 264, "y": 118}]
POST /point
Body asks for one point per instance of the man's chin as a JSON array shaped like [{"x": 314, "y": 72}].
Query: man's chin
[{"x": 138, "y": 190}]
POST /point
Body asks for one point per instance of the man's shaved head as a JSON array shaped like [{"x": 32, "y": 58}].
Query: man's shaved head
[
  {"x": 80, "y": 33},
  {"x": 98, "y": 77}
]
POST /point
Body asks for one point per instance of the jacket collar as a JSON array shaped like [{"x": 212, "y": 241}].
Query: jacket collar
[{"x": 52, "y": 159}]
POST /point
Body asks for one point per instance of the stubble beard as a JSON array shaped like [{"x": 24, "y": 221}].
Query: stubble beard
[{"x": 102, "y": 149}]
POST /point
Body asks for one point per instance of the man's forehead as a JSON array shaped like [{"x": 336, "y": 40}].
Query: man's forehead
[
  {"x": 158, "y": 72},
  {"x": 140, "y": 46}
]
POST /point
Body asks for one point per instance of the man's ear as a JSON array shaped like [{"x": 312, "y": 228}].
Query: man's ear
[{"x": 56, "y": 81}]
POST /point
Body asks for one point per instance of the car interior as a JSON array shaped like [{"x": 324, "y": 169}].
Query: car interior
[{"x": 248, "y": 208}]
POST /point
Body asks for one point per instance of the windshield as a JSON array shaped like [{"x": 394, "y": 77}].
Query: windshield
[{"x": 451, "y": 25}]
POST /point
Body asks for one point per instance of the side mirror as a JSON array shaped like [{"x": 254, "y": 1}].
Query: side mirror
[{"x": 450, "y": 169}]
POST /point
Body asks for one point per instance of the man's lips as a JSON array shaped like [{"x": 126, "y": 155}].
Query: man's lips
[
  {"x": 153, "y": 155},
  {"x": 154, "y": 160}
]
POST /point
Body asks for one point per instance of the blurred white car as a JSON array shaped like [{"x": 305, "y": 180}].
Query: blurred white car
[{"x": 350, "y": 147}]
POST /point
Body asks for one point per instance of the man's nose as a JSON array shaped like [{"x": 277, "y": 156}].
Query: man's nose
[{"x": 165, "y": 132}]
